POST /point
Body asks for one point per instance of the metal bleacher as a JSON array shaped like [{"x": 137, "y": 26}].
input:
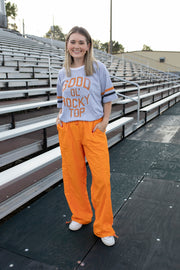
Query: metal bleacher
[{"x": 28, "y": 136}]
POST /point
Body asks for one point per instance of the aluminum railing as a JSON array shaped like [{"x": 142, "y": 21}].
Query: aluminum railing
[{"x": 133, "y": 99}]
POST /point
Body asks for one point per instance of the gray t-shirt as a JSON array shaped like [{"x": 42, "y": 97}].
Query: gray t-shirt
[{"x": 81, "y": 97}]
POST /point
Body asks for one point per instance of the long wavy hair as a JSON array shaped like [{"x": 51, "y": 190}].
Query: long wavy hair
[{"x": 88, "y": 57}]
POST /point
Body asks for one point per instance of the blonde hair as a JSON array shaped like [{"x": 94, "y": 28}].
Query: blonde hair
[{"x": 88, "y": 58}]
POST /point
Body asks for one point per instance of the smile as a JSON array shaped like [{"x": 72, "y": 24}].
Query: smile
[{"x": 75, "y": 51}]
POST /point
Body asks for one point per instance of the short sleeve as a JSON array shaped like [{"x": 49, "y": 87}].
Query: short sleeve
[{"x": 107, "y": 90}]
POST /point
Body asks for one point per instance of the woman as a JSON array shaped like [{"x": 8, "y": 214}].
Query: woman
[{"x": 84, "y": 95}]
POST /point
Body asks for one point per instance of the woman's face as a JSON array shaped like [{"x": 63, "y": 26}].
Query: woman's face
[{"x": 77, "y": 46}]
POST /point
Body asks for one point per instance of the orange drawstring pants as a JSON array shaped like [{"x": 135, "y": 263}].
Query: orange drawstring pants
[{"x": 77, "y": 141}]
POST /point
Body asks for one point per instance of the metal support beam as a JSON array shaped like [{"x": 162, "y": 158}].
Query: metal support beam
[
  {"x": 110, "y": 42},
  {"x": 3, "y": 17}
]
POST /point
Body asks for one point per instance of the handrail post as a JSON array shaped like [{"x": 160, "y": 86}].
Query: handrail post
[
  {"x": 138, "y": 105},
  {"x": 49, "y": 63}
]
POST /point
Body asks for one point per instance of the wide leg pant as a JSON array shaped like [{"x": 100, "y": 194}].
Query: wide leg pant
[{"x": 77, "y": 141}]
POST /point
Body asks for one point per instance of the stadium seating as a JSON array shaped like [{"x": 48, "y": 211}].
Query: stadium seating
[{"x": 30, "y": 155}]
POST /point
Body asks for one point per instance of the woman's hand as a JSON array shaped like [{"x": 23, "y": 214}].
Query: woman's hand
[
  {"x": 58, "y": 121},
  {"x": 101, "y": 126}
]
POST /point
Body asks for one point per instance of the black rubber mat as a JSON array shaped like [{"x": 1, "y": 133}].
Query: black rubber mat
[
  {"x": 10, "y": 260},
  {"x": 148, "y": 229},
  {"x": 145, "y": 184},
  {"x": 41, "y": 228}
]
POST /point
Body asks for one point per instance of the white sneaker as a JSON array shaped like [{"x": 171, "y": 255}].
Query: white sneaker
[
  {"x": 75, "y": 226},
  {"x": 108, "y": 241}
]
